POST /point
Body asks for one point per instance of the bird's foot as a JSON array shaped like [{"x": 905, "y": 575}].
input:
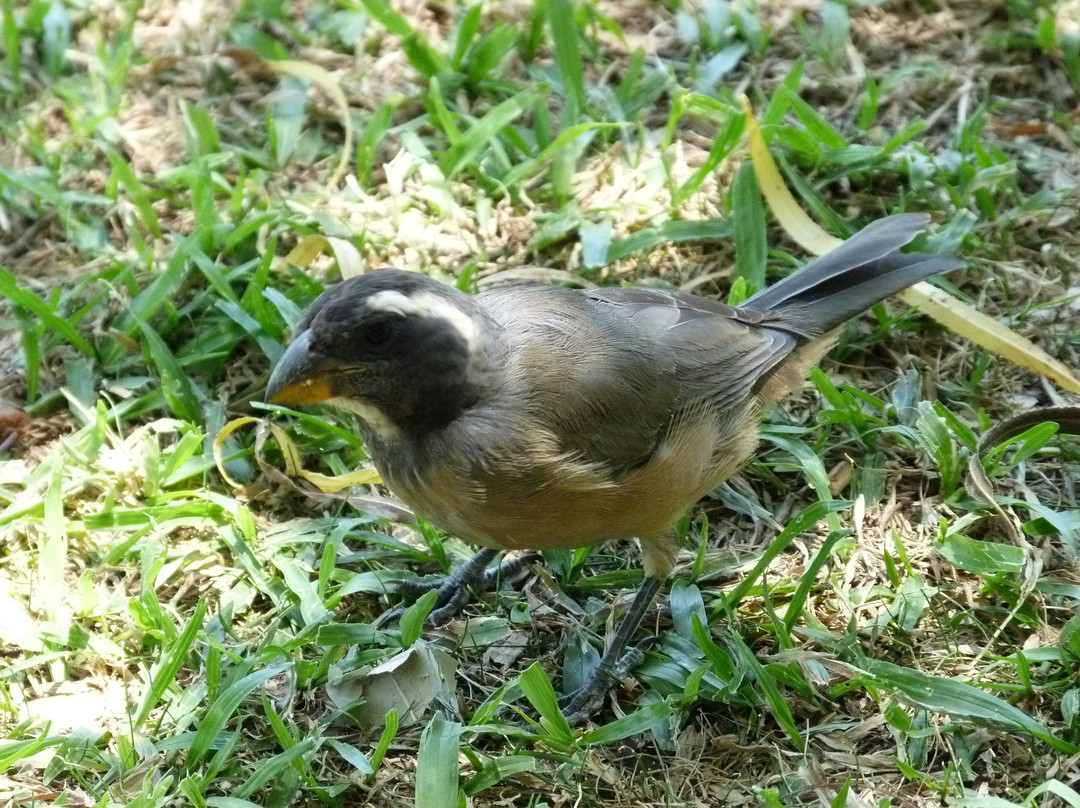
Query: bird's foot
[
  {"x": 581, "y": 704},
  {"x": 8, "y": 438},
  {"x": 453, "y": 590}
]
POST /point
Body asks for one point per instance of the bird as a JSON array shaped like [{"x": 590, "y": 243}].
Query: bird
[{"x": 544, "y": 417}]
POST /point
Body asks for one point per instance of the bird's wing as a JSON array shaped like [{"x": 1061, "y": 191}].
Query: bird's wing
[
  {"x": 629, "y": 362},
  {"x": 586, "y": 373},
  {"x": 722, "y": 354}
]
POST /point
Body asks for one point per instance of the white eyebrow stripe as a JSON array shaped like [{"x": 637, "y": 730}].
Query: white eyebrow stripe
[{"x": 425, "y": 304}]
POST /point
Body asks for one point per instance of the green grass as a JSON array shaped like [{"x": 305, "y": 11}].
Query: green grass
[{"x": 165, "y": 216}]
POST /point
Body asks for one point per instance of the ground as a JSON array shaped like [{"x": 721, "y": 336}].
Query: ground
[{"x": 848, "y": 624}]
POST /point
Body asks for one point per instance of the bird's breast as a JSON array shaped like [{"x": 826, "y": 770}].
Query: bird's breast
[{"x": 527, "y": 495}]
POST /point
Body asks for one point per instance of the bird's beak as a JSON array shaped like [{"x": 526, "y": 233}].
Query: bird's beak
[{"x": 302, "y": 375}]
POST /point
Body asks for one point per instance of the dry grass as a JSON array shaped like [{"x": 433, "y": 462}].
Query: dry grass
[{"x": 106, "y": 603}]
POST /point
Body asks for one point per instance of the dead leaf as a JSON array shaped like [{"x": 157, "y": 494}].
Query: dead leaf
[{"x": 407, "y": 682}]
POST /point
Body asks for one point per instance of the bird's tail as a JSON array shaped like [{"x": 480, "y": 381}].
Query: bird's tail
[{"x": 862, "y": 271}]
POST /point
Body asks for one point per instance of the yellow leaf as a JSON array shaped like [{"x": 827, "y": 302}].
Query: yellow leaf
[
  {"x": 309, "y": 248},
  {"x": 349, "y": 260},
  {"x": 972, "y": 324},
  {"x": 324, "y": 482},
  {"x": 807, "y": 233},
  {"x": 293, "y": 464},
  {"x": 289, "y": 452},
  {"x": 957, "y": 316},
  {"x": 219, "y": 446},
  {"x": 332, "y": 485}
]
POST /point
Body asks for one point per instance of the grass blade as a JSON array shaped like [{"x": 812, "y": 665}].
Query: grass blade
[
  {"x": 221, "y": 711},
  {"x": 958, "y": 699},
  {"x": 749, "y": 217},
  {"x": 9, "y": 288},
  {"x": 165, "y": 675},
  {"x": 412, "y": 621},
  {"x": 422, "y": 55},
  {"x": 481, "y": 133},
  {"x": 564, "y": 35},
  {"x": 806, "y": 519},
  {"x": 765, "y": 682},
  {"x": 437, "y": 768},
  {"x": 671, "y": 232},
  {"x": 642, "y": 720},
  {"x": 809, "y": 576},
  {"x": 179, "y": 393},
  {"x": 541, "y": 695},
  {"x": 267, "y": 770}
]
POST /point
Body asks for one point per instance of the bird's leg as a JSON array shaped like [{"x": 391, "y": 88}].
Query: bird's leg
[
  {"x": 614, "y": 664},
  {"x": 454, "y": 588},
  {"x": 509, "y": 568}
]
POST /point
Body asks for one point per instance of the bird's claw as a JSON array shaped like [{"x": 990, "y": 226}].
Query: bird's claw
[
  {"x": 411, "y": 590},
  {"x": 451, "y": 599},
  {"x": 583, "y": 703},
  {"x": 453, "y": 589}
]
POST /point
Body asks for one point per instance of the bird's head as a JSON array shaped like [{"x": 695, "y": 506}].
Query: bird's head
[{"x": 405, "y": 352}]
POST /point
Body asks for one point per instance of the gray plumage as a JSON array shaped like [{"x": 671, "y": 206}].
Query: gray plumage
[
  {"x": 539, "y": 417},
  {"x": 549, "y": 418}
]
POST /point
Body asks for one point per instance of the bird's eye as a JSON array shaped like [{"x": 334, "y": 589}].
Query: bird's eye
[{"x": 377, "y": 333}]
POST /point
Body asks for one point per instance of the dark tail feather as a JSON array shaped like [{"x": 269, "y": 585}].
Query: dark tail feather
[{"x": 865, "y": 269}]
